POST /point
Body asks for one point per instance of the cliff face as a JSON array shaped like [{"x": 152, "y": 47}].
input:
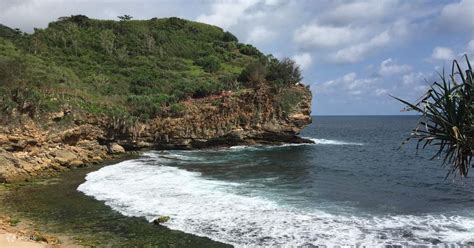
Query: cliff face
[{"x": 252, "y": 116}]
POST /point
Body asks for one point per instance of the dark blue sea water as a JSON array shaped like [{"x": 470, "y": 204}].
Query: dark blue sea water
[{"x": 353, "y": 187}]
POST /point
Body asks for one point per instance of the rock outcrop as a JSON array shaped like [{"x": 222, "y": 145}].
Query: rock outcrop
[
  {"x": 29, "y": 151},
  {"x": 252, "y": 116}
]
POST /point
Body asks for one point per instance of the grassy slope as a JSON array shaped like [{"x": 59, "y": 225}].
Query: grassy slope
[{"x": 134, "y": 68}]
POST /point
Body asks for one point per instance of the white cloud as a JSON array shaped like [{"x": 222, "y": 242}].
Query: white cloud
[
  {"x": 357, "y": 11},
  {"x": 389, "y": 67},
  {"x": 381, "y": 92},
  {"x": 349, "y": 84},
  {"x": 304, "y": 60},
  {"x": 327, "y": 36},
  {"x": 226, "y": 13},
  {"x": 272, "y": 2},
  {"x": 470, "y": 46},
  {"x": 358, "y": 52},
  {"x": 417, "y": 82},
  {"x": 421, "y": 88},
  {"x": 442, "y": 53},
  {"x": 413, "y": 78},
  {"x": 397, "y": 32},
  {"x": 260, "y": 35},
  {"x": 459, "y": 15}
]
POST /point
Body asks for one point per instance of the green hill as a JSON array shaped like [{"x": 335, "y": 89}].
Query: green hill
[{"x": 134, "y": 68}]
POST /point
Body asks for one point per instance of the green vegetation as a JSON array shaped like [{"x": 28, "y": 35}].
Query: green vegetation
[
  {"x": 129, "y": 69},
  {"x": 447, "y": 118},
  {"x": 14, "y": 221},
  {"x": 278, "y": 74},
  {"x": 289, "y": 99}
]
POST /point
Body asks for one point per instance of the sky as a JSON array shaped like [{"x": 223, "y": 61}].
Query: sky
[{"x": 354, "y": 54}]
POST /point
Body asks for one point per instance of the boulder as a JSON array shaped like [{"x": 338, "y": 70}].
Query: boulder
[
  {"x": 115, "y": 148},
  {"x": 9, "y": 171},
  {"x": 57, "y": 116},
  {"x": 76, "y": 163},
  {"x": 64, "y": 157},
  {"x": 160, "y": 220}
]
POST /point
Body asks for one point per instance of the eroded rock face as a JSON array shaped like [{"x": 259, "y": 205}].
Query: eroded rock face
[
  {"x": 39, "y": 152},
  {"x": 253, "y": 116}
]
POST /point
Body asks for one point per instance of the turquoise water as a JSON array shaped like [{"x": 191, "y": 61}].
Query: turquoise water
[{"x": 353, "y": 187}]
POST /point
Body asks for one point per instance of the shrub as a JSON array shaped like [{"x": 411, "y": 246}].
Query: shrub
[
  {"x": 209, "y": 63},
  {"x": 447, "y": 117},
  {"x": 10, "y": 70},
  {"x": 7, "y": 105},
  {"x": 229, "y": 81},
  {"x": 80, "y": 20},
  {"x": 229, "y": 37},
  {"x": 141, "y": 84},
  {"x": 177, "y": 108},
  {"x": 289, "y": 99},
  {"x": 148, "y": 106},
  {"x": 206, "y": 88},
  {"x": 284, "y": 72},
  {"x": 253, "y": 74},
  {"x": 249, "y": 50}
]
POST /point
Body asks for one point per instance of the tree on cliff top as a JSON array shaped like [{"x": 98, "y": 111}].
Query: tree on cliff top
[{"x": 278, "y": 74}]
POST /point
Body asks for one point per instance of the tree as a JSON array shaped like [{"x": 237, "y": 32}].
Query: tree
[
  {"x": 80, "y": 20},
  {"x": 283, "y": 73},
  {"x": 125, "y": 18},
  {"x": 107, "y": 40},
  {"x": 18, "y": 31},
  {"x": 229, "y": 37},
  {"x": 447, "y": 117}
]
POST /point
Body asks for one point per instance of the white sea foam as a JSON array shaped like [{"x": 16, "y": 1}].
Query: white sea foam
[
  {"x": 334, "y": 142},
  {"x": 247, "y": 148},
  {"x": 215, "y": 209},
  {"x": 316, "y": 142}
]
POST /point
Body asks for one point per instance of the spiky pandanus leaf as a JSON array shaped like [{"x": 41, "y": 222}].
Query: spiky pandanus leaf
[{"x": 446, "y": 121}]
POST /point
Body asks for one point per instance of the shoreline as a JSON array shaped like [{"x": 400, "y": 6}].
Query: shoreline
[
  {"x": 75, "y": 232},
  {"x": 12, "y": 236},
  {"x": 15, "y": 232},
  {"x": 21, "y": 232}
]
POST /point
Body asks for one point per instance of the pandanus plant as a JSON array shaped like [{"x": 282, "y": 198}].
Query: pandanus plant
[{"x": 446, "y": 119}]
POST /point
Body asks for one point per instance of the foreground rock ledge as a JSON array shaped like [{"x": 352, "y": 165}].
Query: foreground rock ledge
[{"x": 253, "y": 116}]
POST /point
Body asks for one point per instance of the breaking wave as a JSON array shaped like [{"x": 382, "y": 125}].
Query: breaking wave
[{"x": 218, "y": 210}]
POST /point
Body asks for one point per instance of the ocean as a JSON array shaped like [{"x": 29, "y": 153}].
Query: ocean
[{"x": 354, "y": 186}]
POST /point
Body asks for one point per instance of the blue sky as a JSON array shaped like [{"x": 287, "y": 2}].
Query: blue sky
[{"x": 353, "y": 53}]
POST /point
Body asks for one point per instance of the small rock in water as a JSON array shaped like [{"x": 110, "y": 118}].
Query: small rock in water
[{"x": 161, "y": 219}]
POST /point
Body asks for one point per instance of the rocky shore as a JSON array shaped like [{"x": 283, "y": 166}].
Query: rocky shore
[{"x": 35, "y": 148}]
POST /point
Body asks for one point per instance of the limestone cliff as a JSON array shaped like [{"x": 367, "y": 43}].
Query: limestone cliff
[{"x": 251, "y": 116}]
